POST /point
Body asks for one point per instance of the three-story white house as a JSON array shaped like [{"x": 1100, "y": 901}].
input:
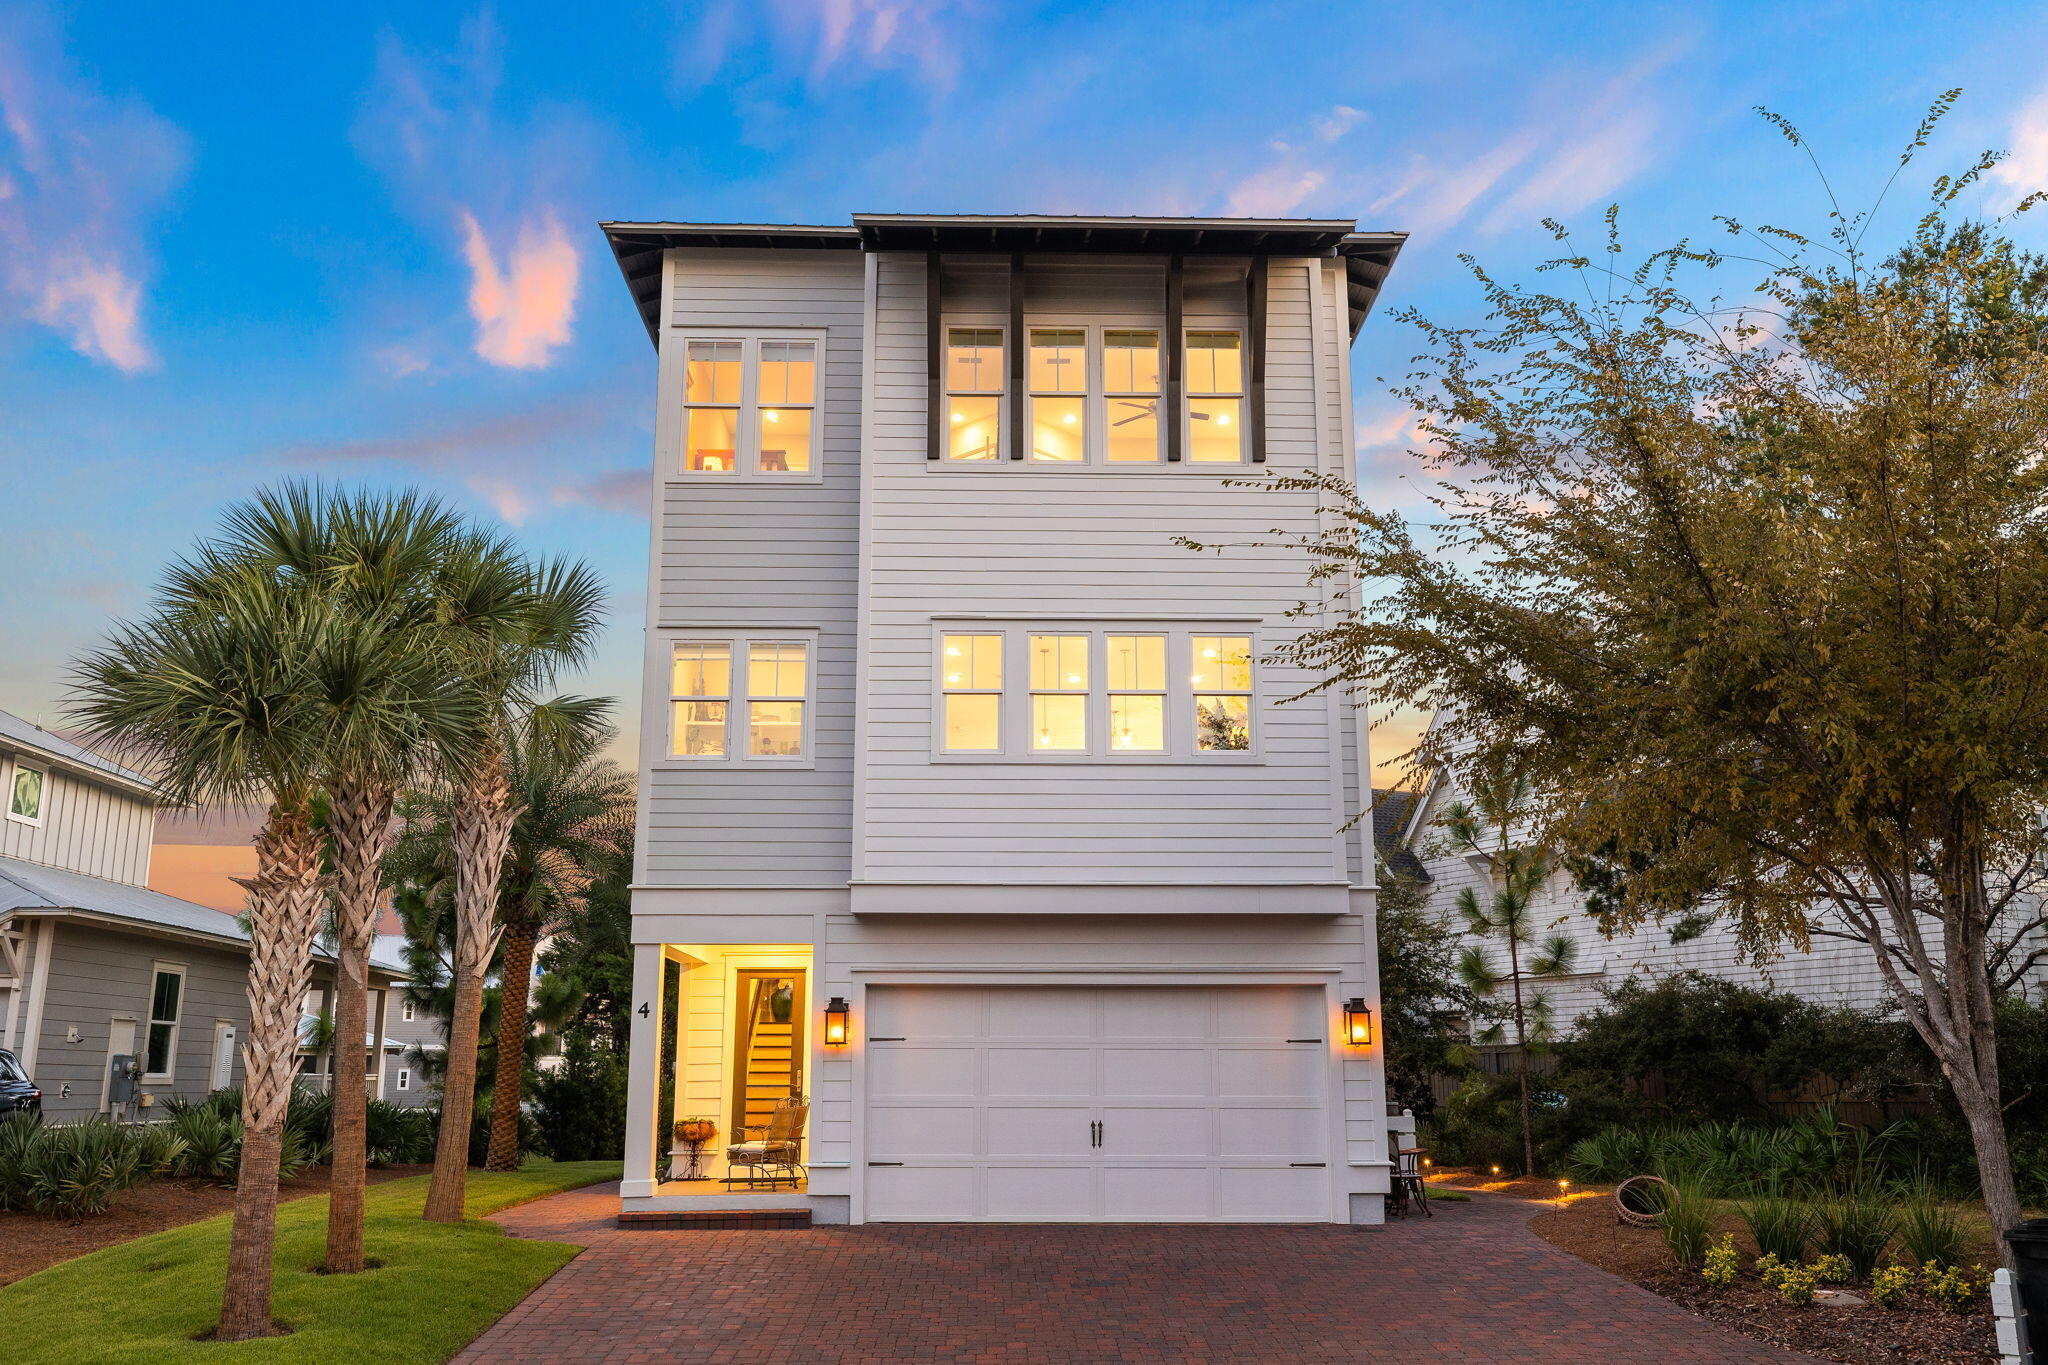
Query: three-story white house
[{"x": 972, "y": 806}]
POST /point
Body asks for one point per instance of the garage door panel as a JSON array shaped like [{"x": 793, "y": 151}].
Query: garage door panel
[
  {"x": 1156, "y": 1193},
  {"x": 924, "y": 1072},
  {"x": 1164, "y": 1013},
  {"x": 903, "y": 1130},
  {"x": 1273, "y": 1072},
  {"x": 1165, "y": 1131},
  {"x": 1040, "y": 1012},
  {"x": 1294, "y": 1134},
  {"x": 1053, "y": 1072},
  {"x": 1268, "y": 1193},
  {"x": 941, "y": 1193},
  {"x": 925, "y": 1012},
  {"x": 1258, "y": 1012},
  {"x": 1033, "y": 1192},
  {"x": 1039, "y": 1130},
  {"x": 1168, "y": 1073}
]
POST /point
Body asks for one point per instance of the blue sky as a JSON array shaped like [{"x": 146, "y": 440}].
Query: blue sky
[{"x": 239, "y": 242}]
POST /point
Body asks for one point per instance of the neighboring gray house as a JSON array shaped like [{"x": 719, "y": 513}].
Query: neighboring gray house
[
  {"x": 972, "y": 806},
  {"x": 93, "y": 964}
]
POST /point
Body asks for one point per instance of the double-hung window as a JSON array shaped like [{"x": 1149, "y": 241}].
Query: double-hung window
[
  {"x": 1058, "y": 375},
  {"x": 750, "y": 406},
  {"x": 740, "y": 699},
  {"x": 166, "y": 1001},
  {"x": 974, "y": 394},
  {"x": 1130, "y": 396},
  {"x": 1215, "y": 397},
  {"x": 1114, "y": 692}
]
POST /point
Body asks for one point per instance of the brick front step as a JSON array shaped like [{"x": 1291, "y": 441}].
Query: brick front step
[{"x": 717, "y": 1220}]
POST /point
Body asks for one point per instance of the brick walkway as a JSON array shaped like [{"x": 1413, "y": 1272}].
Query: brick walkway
[{"x": 1473, "y": 1284}]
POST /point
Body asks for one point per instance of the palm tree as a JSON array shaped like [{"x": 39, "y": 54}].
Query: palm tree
[
  {"x": 574, "y": 808},
  {"x": 1484, "y": 830},
  {"x": 386, "y": 703},
  {"x": 504, "y": 659},
  {"x": 219, "y": 703}
]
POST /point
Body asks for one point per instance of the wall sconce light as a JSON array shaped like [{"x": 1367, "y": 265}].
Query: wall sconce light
[
  {"x": 1357, "y": 1022},
  {"x": 838, "y": 1016}
]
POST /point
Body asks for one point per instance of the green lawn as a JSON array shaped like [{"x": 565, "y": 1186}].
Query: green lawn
[{"x": 144, "y": 1301}]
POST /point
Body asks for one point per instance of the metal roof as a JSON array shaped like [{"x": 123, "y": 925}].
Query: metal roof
[
  {"x": 31, "y": 888},
  {"x": 16, "y": 732},
  {"x": 1368, "y": 256}
]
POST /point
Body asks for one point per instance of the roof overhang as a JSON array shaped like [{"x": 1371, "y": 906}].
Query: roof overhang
[
  {"x": 1367, "y": 256},
  {"x": 171, "y": 933}
]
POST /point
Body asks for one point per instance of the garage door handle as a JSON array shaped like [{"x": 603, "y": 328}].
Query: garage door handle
[
  {"x": 1305, "y": 1163},
  {"x": 1304, "y": 1040},
  {"x": 898, "y": 1163},
  {"x": 873, "y": 1039}
]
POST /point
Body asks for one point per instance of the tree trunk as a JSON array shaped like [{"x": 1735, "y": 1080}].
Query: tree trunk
[
  {"x": 514, "y": 985},
  {"x": 360, "y": 818},
  {"x": 481, "y": 824},
  {"x": 1521, "y": 1050},
  {"x": 284, "y": 905}
]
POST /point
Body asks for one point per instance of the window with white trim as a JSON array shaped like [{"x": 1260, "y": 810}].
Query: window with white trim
[
  {"x": 404, "y": 1079},
  {"x": 1215, "y": 396},
  {"x": 744, "y": 699},
  {"x": 974, "y": 394},
  {"x": 1057, "y": 370},
  {"x": 26, "y": 788},
  {"x": 166, "y": 1002},
  {"x": 1130, "y": 395},
  {"x": 1163, "y": 693},
  {"x": 750, "y": 406},
  {"x": 405, "y": 1011}
]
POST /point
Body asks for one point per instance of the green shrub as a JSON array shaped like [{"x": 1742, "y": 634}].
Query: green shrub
[
  {"x": 1858, "y": 1226},
  {"x": 1890, "y": 1285},
  {"x": 1688, "y": 1224},
  {"x": 73, "y": 1171},
  {"x": 1930, "y": 1233},
  {"x": 580, "y": 1106},
  {"x": 1954, "y": 1287},
  {"x": 397, "y": 1136},
  {"x": 1770, "y": 1268},
  {"x": 1611, "y": 1155},
  {"x": 211, "y": 1143},
  {"x": 1832, "y": 1269},
  {"x": 1723, "y": 1263},
  {"x": 1781, "y": 1227},
  {"x": 1795, "y": 1284}
]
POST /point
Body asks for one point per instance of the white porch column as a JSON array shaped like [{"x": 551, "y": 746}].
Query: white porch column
[
  {"x": 383, "y": 1014},
  {"x": 643, "y": 1072},
  {"x": 38, "y": 987}
]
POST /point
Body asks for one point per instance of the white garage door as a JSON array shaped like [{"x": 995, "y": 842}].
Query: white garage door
[{"x": 1085, "y": 1104}]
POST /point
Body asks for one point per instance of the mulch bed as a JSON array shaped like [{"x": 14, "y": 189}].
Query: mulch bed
[
  {"x": 1921, "y": 1334},
  {"x": 30, "y": 1242}
]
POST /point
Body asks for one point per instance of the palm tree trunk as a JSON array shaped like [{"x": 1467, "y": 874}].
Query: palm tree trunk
[
  {"x": 482, "y": 830},
  {"x": 361, "y": 824},
  {"x": 284, "y": 905},
  {"x": 514, "y": 985}
]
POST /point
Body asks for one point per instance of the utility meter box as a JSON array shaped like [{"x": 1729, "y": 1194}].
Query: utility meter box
[{"x": 121, "y": 1085}]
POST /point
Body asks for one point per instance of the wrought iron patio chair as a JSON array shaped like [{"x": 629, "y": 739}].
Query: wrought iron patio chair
[{"x": 772, "y": 1153}]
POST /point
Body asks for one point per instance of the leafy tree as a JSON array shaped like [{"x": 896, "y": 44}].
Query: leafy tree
[
  {"x": 1757, "y": 592},
  {"x": 595, "y": 950},
  {"x": 1424, "y": 1006}
]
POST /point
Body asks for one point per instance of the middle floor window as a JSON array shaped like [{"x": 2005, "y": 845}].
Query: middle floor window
[
  {"x": 1111, "y": 692},
  {"x": 743, "y": 699}
]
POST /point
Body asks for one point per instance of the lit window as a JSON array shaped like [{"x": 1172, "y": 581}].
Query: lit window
[
  {"x": 1130, "y": 387},
  {"x": 1059, "y": 395},
  {"x": 974, "y": 393},
  {"x": 700, "y": 695},
  {"x": 1137, "y": 693},
  {"x": 166, "y": 996},
  {"x": 1059, "y": 693},
  {"x": 1222, "y": 683},
  {"x": 711, "y": 393},
  {"x": 777, "y": 675},
  {"x": 971, "y": 687},
  {"x": 1215, "y": 384},
  {"x": 786, "y": 400}
]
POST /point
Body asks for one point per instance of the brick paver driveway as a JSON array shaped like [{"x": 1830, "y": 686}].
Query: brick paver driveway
[{"x": 1472, "y": 1284}]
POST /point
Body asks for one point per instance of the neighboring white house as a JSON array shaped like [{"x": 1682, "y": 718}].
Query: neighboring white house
[
  {"x": 1833, "y": 972},
  {"x": 947, "y": 743},
  {"x": 96, "y": 969}
]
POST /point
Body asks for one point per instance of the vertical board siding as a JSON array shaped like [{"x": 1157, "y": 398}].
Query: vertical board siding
[
  {"x": 1059, "y": 544},
  {"x": 755, "y": 556},
  {"x": 87, "y": 827}
]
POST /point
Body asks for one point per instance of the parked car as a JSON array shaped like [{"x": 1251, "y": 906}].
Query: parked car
[{"x": 17, "y": 1092}]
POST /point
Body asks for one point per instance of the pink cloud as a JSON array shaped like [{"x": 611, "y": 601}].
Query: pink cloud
[
  {"x": 523, "y": 305},
  {"x": 81, "y": 173},
  {"x": 1295, "y": 171},
  {"x": 834, "y": 37}
]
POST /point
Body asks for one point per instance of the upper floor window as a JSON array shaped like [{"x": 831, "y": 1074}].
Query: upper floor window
[
  {"x": 750, "y": 406},
  {"x": 1107, "y": 692},
  {"x": 1093, "y": 396},
  {"x": 740, "y": 698},
  {"x": 25, "y": 793}
]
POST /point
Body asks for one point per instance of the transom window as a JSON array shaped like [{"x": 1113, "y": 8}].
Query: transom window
[
  {"x": 1116, "y": 692},
  {"x": 1093, "y": 396},
  {"x": 750, "y": 407},
  {"x": 740, "y": 699}
]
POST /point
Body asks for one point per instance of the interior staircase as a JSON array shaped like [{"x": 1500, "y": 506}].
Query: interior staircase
[{"x": 772, "y": 1070}]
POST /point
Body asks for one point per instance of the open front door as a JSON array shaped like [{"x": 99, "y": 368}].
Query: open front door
[{"x": 768, "y": 1056}]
